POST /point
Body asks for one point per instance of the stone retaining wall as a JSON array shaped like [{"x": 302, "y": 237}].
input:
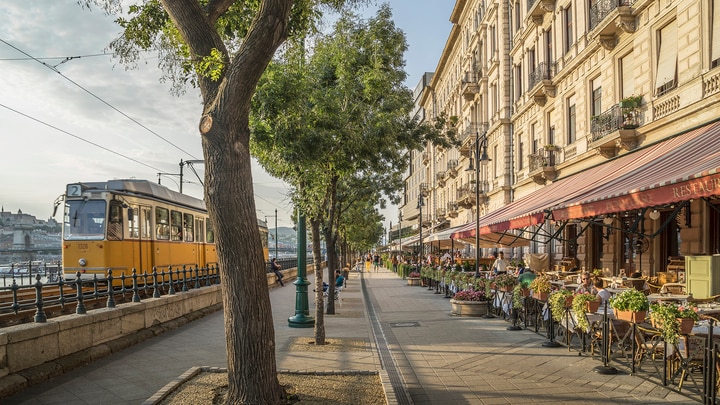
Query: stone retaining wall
[{"x": 35, "y": 352}]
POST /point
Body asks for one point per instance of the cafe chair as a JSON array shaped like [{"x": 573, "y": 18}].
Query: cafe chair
[
  {"x": 673, "y": 288},
  {"x": 691, "y": 358},
  {"x": 650, "y": 346},
  {"x": 654, "y": 288}
]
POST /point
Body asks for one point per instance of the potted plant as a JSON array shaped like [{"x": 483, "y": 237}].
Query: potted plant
[
  {"x": 631, "y": 101},
  {"x": 413, "y": 278},
  {"x": 583, "y": 303},
  {"x": 469, "y": 303},
  {"x": 551, "y": 147},
  {"x": 518, "y": 295},
  {"x": 557, "y": 302},
  {"x": 505, "y": 282},
  {"x": 541, "y": 287},
  {"x": 673, "y": 320},
  {"x": 630, "y": 305}
]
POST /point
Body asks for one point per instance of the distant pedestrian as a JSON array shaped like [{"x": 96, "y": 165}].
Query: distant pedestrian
[
  {"x": 376, "y": 261},
  {"x": 275, "y": 266}
]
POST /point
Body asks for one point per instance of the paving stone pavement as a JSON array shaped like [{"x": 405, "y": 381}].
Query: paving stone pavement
[{"x": 439, "y": 358}]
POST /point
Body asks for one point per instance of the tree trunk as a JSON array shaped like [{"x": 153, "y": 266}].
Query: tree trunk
[{"x": 319, "y": 300}]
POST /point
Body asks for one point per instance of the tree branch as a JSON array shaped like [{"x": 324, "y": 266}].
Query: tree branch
[{"x": 216, "y": 8}]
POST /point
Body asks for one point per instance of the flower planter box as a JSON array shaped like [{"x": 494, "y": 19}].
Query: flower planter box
[
  {"x": 542, "y": 296},
  {"x": 568, "y": 301},
  {"x": 525, "y": 292},
  {"x": 631, "y": 316},
  {"x": 506, "y": 288},
  {"x": 414, "y": 281},
  {"x": 469, "y": 308},
  {"x": 593, "y": 306},
  {"x": 685, "y": 325}
]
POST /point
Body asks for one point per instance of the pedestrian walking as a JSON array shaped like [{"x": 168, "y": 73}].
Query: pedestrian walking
[{"x": 376, "y": 261}]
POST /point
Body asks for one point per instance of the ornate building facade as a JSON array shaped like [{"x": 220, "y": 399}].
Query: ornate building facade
[{"x": 599, "y": 121}]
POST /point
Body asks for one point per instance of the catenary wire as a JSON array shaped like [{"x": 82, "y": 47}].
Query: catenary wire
[
  {"x": 53, "y": 68},
  {"x": 77, "y": 137}
]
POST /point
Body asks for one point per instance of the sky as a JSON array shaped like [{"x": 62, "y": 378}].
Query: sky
[{"x": 70, "y": 114}]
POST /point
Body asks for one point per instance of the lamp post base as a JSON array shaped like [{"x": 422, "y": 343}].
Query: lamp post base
[
  {"x": 551, "y": 343},
  {"x": 605, "y": 370}
]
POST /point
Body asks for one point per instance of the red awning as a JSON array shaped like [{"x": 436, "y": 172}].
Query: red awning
[
  {"x": 676, "y": 169},
  {"x": 679, "y": 169}
]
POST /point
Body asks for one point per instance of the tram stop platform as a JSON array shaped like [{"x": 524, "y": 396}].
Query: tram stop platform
[{"x": 423, "y": 354}]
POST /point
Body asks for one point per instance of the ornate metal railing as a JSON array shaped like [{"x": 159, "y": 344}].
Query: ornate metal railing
[
  {"x": 544, "y": 71},
  {"x": 603, "y": 8},
  {"x": 614, "y": 119}
]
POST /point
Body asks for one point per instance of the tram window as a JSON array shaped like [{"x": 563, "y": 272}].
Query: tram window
[
  {"x": 175, "y": 225},
  {"x": 200, "y": 228},
  {"x": 210, "y": 233},
  {"x": 115, "y": 223},
  {"x": 84, "y": 220},
  {"x": 133, "y": 223},
  {"x": 162, "y": 223},
  {"x": 144, "y": 221},
  {"x": 188, "y": 225}
]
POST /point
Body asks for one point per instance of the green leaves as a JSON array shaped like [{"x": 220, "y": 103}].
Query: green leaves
[{"x": 211, "y": 66}]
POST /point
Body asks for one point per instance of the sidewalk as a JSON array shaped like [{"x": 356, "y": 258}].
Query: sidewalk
[{"x": 434, "y": 357}]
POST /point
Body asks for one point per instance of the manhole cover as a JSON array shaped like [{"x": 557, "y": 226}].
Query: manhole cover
[{"x": 404, "y": 324}]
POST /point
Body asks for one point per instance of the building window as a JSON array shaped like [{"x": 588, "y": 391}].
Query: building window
[
  {"x": 667, "y": 59},
  {"x": 571, "y": 134},
  {"x": 549, "y": 57},
  {"x": 518, "y": 82},
  {"x": 520, "y": 154},
  {"x": 627, "y": 76},
  {"x": 517, "y": 16},
  {"x": 495, "y": 161},
  {"x": 551, "y": 135},
  {"x": 569, "y": 28},
  {"x": 533, "y": 139},
  {"x": 715, "y": 24},
  {"x": 596, "y": 102}
]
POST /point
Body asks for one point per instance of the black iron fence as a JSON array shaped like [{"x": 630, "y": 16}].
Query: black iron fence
[{"x": 614, "y": 119}]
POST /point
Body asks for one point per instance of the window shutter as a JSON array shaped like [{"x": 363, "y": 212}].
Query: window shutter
[
  {"x": 627, "y": 73},
  {"x": 667, "y": 57}
]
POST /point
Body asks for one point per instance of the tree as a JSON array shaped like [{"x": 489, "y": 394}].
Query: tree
[
  {"x": 338, "y": 118},
  {"x": 223, "y": 48}
]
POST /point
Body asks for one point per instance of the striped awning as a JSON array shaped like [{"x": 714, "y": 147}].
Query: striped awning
[{"x": 677, "y": 169}]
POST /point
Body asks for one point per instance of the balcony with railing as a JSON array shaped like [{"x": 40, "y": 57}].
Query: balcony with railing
[
  {"x": 540, "y": 82},
  {"x": 541, "y": 166},
  {"x": 452, "y": 209},
  {"x": 440, "y": 178},
  {"x": 610, "y": 17},
  {"x": 615, "y": 128},
  {"x": 466, "y": 195},
  {"x": 538, "y": 8},
  {"x": 424, "y": 189},
  {"x": 466, "y": 138},
  {"x": 469, "y": 86},
  {"x": 440, "y": 214},
  {"x": 452, "y": 166}
]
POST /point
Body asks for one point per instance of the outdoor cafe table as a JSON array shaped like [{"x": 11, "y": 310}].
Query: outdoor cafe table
[
  {"x": 668, "y": 297},
  {"x": 614, "y": 291}
]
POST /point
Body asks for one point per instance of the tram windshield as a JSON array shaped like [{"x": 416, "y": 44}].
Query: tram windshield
[{"x": 84, "y": 220}]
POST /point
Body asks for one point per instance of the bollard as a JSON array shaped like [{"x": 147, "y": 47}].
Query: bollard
[
  {"x": 184, "y": 287},
  {"x": 171, "y": 290},
  {"x": 111, "y": 293},
  {"x": 40, "y": 316},
  {"x": 136, "y": 294},
  {"x": 80, "y": 309},
  {"x": 605, "y": 346},
  {"x": 156, "y": 291}
]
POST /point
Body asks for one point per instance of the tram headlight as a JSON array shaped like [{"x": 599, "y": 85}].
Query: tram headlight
[{"x": 82, "y": 262}]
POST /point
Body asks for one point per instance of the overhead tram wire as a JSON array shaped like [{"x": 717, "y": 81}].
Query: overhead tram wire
[
  {"x": 54, "y": 68},
  {"x": 79, "y": 138}
]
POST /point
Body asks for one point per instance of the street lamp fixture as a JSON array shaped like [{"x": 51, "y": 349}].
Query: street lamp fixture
[
  {"x": 484, "y": 159},
  {"x": 421, "y": 203}
]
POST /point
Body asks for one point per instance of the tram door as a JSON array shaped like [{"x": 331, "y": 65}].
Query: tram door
[
  {"x": 199, "y": 242},
  {"x": 141, "y": 232}
]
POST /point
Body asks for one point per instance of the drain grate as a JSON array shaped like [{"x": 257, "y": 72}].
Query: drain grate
[{"x": 404, "y": 324}]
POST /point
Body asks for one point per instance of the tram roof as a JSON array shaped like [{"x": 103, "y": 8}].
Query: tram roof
[{"x": 146, "y": 188}]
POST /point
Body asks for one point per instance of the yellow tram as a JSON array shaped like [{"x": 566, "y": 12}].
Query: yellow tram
[{"x": 135, "y": 224}]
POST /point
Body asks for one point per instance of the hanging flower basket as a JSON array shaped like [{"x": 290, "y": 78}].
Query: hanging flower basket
[{"x": 631, "y": 316}]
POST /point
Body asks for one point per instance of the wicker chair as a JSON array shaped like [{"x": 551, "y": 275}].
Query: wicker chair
[{"x": 673, "y": 288}]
